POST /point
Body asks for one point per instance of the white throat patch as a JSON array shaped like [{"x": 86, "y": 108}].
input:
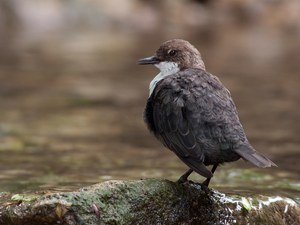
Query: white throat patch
[{"x": 166, "y": 69}]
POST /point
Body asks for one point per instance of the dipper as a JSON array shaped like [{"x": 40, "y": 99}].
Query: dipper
[{"x": 191, "y": 112}]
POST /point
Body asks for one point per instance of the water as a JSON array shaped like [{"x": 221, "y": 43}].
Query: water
[{"x": 71, "y": 114}]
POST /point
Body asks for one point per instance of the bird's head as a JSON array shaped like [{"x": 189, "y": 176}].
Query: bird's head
[{"x": 175, "y": 55}]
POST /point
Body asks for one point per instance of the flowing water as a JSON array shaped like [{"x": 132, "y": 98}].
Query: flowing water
[{"x": 71, "y": 112}]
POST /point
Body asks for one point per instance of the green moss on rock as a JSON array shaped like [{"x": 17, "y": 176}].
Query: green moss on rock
[{"x": 148, "y": 201}]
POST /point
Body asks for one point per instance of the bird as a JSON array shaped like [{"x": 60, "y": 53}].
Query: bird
[{"x": 192, "y": 113}]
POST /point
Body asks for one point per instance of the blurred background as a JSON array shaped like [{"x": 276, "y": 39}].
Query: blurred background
[{"x": 72, "y": 95}]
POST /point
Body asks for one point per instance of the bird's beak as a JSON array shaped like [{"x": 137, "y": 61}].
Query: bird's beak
[{"x": 149, "y": 60}]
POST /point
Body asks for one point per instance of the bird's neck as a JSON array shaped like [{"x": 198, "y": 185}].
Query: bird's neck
[{"x": 166, "y": 69}]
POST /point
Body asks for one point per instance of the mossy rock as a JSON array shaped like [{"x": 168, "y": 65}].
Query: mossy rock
[{"x": 148, "y": 201}]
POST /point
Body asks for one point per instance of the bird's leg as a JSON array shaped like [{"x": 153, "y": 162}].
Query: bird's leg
[
  {"x": 184, "y": 177},
  {"x": 206, "y": 182}
]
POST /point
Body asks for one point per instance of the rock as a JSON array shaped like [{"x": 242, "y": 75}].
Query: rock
[{"x": 148, "y": 201}]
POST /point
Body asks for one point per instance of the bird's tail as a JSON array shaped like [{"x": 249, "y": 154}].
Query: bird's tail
[{"x": 248, "y": 153}]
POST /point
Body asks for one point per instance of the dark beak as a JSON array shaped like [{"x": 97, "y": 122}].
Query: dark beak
[{"x": 149, "y": 60}]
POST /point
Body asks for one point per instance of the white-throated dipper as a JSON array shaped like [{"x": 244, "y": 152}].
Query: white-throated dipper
[{"x": 191, "y": 112}]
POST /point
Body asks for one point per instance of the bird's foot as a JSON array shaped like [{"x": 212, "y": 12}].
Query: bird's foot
[
  {"x": 206, "y": 182},
  {"x": 184, "y": 177},
  {"x": 182, "y": 180}
]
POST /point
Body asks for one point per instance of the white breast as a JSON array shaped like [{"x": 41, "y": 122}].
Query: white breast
[{"x": 166, "y": 69}]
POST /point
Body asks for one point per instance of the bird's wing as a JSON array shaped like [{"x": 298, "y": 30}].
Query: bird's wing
[
  {"x": 195, "y": 116},
  {"x": 173, "y": 128}
]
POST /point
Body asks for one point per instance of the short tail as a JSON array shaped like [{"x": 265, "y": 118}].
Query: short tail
[{"x": 249, "y": 154}]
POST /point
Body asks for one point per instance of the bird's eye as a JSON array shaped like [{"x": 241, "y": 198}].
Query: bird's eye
[{"x": 172, "y": 52}]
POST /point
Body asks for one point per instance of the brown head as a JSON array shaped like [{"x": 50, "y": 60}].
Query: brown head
[{"x": 177, "y": 51}]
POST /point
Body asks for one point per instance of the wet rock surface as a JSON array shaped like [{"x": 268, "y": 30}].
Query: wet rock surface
[{"x": 148, "y": 201}]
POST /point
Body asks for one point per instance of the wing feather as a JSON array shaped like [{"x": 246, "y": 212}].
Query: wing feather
[
  {"x": 174, "y": 129},
  {"x": 193, "y": 114}
]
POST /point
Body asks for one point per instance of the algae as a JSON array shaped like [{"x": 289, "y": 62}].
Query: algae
[{"x": 149, "y": 201}]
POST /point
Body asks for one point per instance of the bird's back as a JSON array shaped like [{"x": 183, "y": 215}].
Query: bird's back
[
  {"x": 198, "y": 99},
  {"x": 193, "y": 114}
]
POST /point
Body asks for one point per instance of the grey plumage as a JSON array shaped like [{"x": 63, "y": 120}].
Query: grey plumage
[{"x": 193, "y": 114}]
